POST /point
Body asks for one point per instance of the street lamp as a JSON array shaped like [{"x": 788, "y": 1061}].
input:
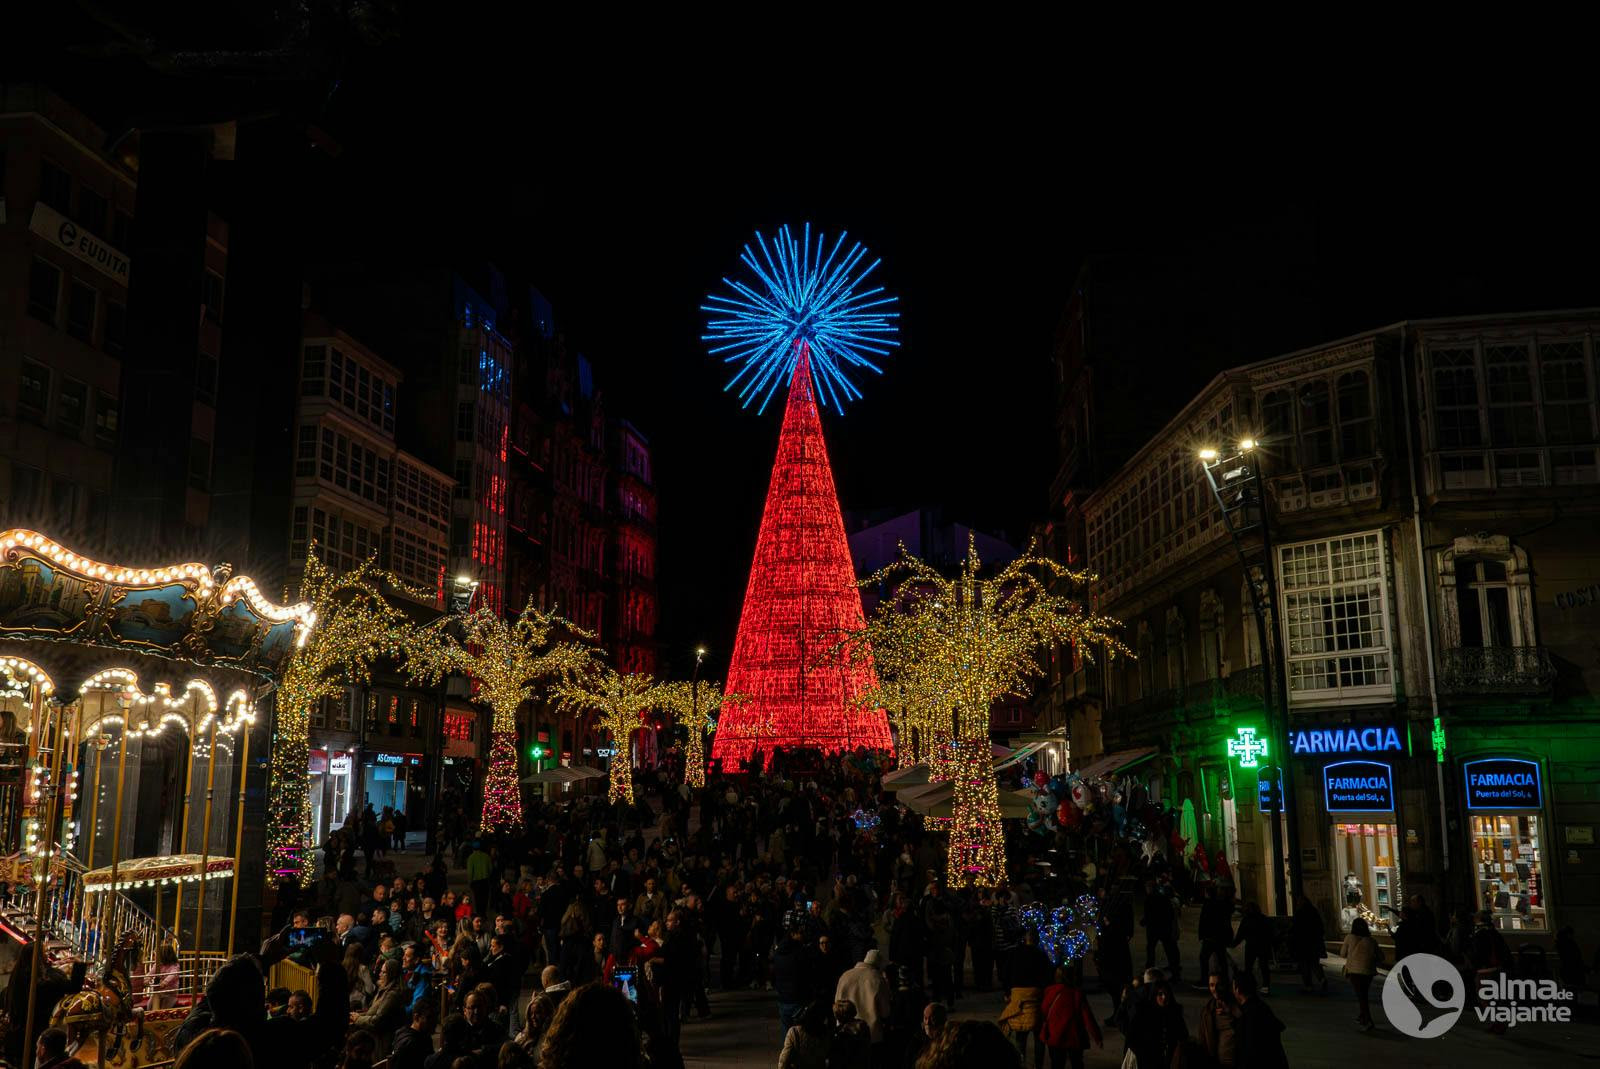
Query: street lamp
[{"x": 1235, "y": 482}]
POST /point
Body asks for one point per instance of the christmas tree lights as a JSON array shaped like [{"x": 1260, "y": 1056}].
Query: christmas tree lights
[
  {"x": 350, "y": 627},
  {"x": 509, "y": 660},
  {"x": 952, "y": 647},
  {"x": 801, "y": 596},
  {"x": 695, "y": 706},
  {"x": 621, "y": 702}
]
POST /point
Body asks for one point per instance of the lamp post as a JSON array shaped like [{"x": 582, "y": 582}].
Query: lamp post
[
  {"x": 1235, "y": 482},
  {"x": 694, "y": 687},
  {"x": 460, "y": 603}
]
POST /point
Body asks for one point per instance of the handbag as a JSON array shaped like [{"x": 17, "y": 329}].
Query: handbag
[{"x": 1129, "y": 1061}]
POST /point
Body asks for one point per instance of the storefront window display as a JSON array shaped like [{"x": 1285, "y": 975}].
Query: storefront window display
[
  {"x": 1510, "y": 883},
  {"x": 1367, "y": 870},
  {"x": 1505, "y": 797}
]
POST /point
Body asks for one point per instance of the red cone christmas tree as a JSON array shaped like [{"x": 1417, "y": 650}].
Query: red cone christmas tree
[{"x": 801, "y": 596}]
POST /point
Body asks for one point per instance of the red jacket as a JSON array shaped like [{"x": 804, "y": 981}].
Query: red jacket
[{"x": 1067, "y": 1022}]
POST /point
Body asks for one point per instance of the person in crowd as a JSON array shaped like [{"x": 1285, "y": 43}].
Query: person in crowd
[
  {"x": 1255, "y": 932},
  {"x": 412, "y": 1044},
  {"x": 1259, "y": 1033},
  {"x": 1216, "y": 931},
  {"x": 1362, "y": 956},
  {"x": 215, "y": 1048},
  {"x": 1067, "y": 1026},
  {"x": 387, "y": 1010},
  {"x": 358, "y": 976},
  {"x": 1156, "y": 1028},
  {"x": 455, "y": 1043},
  {"x": 1307, "y": 943},
  {"x": 1217, "y": 1035},
  {"x": 1160, "y": 923},
  {"x": 596, "y": 1026},
  {"x": 808, "y": 1042},
  {"x": 50, "y": 1050},
  {"x": 865, "y": 988},
  {"x": 971, "y": 1045},
  {"x": 794, "y": 974},
  {"x": 1020, "y": 1019},
  {"x": 852, "y": 1045},
  {"x": 360, "y": 1050}
]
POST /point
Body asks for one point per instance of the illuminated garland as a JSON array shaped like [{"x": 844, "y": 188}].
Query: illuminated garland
[
  {"x": 509, "y": 661},
  {"x": 946, "y": 649},
  {"x": 620, "y": 702},
  {"x": 698, "y": 716},
  {"x": 350, "y": 627}
]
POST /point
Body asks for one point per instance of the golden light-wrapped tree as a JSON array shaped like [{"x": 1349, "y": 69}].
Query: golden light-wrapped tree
[
  {"x": 352, "y": 625},
  {"x": 620, "y": 703},
  {"x": 955, "y": 645},
  {"x": 510, "y": 661},
  {"x": 697, "y": 711}
]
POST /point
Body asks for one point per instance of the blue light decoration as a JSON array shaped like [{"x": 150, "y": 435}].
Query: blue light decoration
[
  {"x": 1064, "y": 932},
  {"x": 865, "y": 821},
  {"x": 805, "y": 295}
]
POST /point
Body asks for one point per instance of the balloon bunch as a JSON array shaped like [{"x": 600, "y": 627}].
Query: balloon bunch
[{"x": 1066, "y": 932}]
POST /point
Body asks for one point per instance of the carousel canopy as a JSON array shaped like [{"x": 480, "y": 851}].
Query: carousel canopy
[
  {"x": 155, "y": 871},
  {"x": 187, "y": 612}
]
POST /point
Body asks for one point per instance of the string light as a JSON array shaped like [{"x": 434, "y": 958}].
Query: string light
[
  {"x": 621, "y": 703},
  {"x": 697, "y": 712},
  {"x": 509, "y": 661},
  {"x": 349, "y": 626},
  {"x": 949, "y": 648}
]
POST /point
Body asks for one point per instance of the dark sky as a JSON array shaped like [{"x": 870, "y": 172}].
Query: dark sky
[{"x": 622, "y": 177}]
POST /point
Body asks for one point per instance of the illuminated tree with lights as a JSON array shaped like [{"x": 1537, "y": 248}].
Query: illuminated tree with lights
[
  {"x": 966, "y": 642},
  {"x": 509, "y": 661},
  {"x": 806, "y": 319},
  {"x": 352, "y": 625},
  {"x": 621, "y": 703},
  {"x": 695, "y": 706}
]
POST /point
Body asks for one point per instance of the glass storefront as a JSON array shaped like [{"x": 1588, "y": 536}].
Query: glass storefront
[
  {"x": 1510, "y": 881},
  {"x": 1366, "y": 867}
]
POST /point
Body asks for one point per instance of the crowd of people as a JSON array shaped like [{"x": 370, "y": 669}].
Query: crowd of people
[{"x": 597, "y": 934}]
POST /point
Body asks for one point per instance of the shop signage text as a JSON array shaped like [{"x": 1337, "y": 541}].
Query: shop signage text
[
  {"x": 1377, "y": 739},
  {"x": 1358, "y": 787},
  {"x": 398, "y": 759},
  {"x": 75, "y": 241},
  {"x": 1269, "y": 790},
  {"x": 339, "y": 766},
  {"x": 1503, "y": 783},
  {"x": 1579, "y": 598}
]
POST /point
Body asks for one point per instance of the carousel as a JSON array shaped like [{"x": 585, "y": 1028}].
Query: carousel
[{"x": 128, "y": 698}]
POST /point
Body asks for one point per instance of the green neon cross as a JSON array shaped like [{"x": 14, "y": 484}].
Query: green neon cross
[
  {"x": 1247, "y": 748},
  {"x": 1438, "y": 739}
]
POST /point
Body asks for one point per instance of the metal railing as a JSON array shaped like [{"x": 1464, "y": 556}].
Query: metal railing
[{"x": 1497, "y": 670}]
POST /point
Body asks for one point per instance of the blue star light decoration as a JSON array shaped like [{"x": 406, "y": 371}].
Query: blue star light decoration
[{"x": 804, "y": 295}]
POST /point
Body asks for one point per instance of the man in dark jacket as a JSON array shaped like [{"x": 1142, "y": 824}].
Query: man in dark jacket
[
  {"x": 234, "y": 999},
  {"x": 1216, "y": 932},
  {"x": 1258, "y": 1030},
  {"x": 793, "y": 974},
  {"x": 414, "y": 1043},
  {"x": 1160, "y": 928}
]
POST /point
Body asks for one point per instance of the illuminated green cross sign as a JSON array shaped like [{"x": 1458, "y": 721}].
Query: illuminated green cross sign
[{"x": 1247, "y": 748}]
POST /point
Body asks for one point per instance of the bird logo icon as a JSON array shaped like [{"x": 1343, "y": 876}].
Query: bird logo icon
[{"x": 1424, "y": 996}]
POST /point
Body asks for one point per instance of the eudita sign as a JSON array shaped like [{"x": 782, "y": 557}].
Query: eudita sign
[
  {"x": 1346, "y": 739},
  {"x": 1358, "y": 787},
  {"x": 72, "y": 239},
  {"x": 1503, "y": 783}
]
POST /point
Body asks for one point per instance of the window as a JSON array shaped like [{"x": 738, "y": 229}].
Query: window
[
  {"x": 116, "y": 335},
  {"x": 1316, "y": 424},
  {"x": 464, "y": 415},
  {"x": 1356, "y": 437},
  {"x": 1483, "y": 603},
  {"x": 44, "y": 290},
  {"x": 64, "y": 501},
  {"x": 1335, "y": 612},
  {"x": 1146, "y": 662},
  {"x": 463, "y": 478},
  {"x": 199, "y": 463},
  {"x": 33, "y": 398},
  {"x": 205, "y": 378},
  {"x": 1247, "y": 617},
  {"x": 105, "y": 419},
  {"x": 313, "y": 370},
  {"x": 121, "y": 229},
  {"x": 305, "y": 455},
  {"x": 92, "y": 211},
  {"x": 211, "y": 295},
  {"x": 297, "y": 533},
  {"x": 1177, "y": 635},
  {"x": 1509, "y": 860},
  {"x": 1211, "y": 634},
  {"x": 72, "y": 407},
  {"x": 27, "y": 484},
  {"x": 81, "y": 301},
  {"x": 55, "y": 188}
]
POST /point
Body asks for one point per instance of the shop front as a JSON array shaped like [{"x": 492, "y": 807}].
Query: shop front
[
  {"x": 328, "y": 772},
  {"x": 1508, "y": 835},
  {"x": 1352, "y": 770},
  {"x": 390, "y": 778}
]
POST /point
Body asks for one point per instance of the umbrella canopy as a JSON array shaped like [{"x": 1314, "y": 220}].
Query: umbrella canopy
[
  {"x": 910, "y": 776},
  {"x": 938, "y": 800}
]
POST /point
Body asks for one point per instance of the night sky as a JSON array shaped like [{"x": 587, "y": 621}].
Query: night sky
[{"x": 623, "y": 182}]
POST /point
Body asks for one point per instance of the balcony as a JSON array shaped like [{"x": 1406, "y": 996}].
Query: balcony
[{"x": 1497, "y": 670}]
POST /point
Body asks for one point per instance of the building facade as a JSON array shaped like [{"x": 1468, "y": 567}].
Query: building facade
[{"x": 1423, "y": 483}]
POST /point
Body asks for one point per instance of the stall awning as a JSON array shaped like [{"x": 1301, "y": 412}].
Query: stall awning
[
  {"x": 938, "y": 800},
  {"x": 564, "y": 774},
  {"x": 910, "y": 776},
  {"x": 1112, "y": 763},
  {"x": 1020, "y": 754}
]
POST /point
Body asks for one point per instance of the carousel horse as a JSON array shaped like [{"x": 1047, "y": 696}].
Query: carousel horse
[{"x": 105, "y": 1012}]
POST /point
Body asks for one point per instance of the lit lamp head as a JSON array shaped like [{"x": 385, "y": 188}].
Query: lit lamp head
[
  {"x": 1208, "y": 455},
  {"x": 1247, "y": 444}
]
